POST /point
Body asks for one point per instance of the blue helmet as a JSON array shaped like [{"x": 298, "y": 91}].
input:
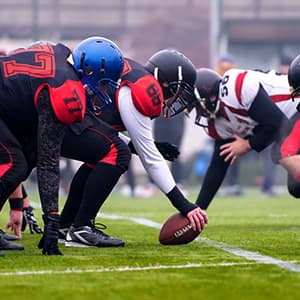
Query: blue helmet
[{"x": 99, "y": 64}]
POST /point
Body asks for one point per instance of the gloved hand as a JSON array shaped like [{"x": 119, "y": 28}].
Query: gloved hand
[
  {"x": 30, "y": 220},
  {"x": 168, "y": 151},
  {"x": 49, "y": 240}
]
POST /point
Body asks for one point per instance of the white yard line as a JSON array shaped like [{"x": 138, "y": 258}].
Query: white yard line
[
  {"x": 125, "y": 269},
  {"x": 236, "y": 251},
  {"x": 255, "y": 257}
]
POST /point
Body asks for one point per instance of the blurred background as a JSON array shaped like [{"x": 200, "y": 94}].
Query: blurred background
[{"x": 255, "y": 33}]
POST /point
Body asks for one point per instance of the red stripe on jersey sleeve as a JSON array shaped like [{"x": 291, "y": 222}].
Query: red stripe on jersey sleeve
[{"x": 239, "y": 84}]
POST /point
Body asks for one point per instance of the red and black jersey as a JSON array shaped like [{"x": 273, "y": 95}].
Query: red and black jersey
[
  {"x": 146, "y": 94},
  {"x": 25, "y": 72}
]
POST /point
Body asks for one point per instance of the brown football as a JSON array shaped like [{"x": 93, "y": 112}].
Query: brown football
[{"x": 177, "y": 231}]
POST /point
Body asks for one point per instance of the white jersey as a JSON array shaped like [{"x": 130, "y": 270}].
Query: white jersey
[{"x": 237, "y": 93}]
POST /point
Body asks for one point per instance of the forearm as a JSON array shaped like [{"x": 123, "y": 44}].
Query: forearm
[{"x": 213, "y": 179}]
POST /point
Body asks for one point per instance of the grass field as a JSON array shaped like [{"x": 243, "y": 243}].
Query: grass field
[{"x": 249, "y": 250}]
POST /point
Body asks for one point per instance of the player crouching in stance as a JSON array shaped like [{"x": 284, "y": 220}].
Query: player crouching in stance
[
  {"x": 145, "y": 93},
  {"x": 41, "y": 93},
  {"x": 290, "y": 148},
  {"x": 242, "y": 111}
]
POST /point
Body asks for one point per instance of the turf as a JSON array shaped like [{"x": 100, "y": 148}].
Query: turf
[{"x": 215, "y": 266}]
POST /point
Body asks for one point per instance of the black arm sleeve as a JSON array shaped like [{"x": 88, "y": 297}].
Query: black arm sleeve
[
  {"x": 214, "y": 176},
  {"x": 180, "y": 202},
  {"x": 270, "y": 120},
  {"x": 50, "y": 136}
]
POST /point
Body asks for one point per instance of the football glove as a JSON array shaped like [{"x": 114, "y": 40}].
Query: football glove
[
  {"x": 168, "y": 151},
  {"x": 30, "y": 220},
  {"x": 49, "y": 240}
]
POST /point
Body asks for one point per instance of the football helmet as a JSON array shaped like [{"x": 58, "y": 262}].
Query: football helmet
[
  {"x": 99, "y": 64},
  {"x": 176, "y": 75},
  {"x": 206, "y": 95},
  {"x": 294, "y": 77}
]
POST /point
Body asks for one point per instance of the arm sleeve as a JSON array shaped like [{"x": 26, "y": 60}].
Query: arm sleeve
[
  {"x": 139, "y": 128},
  {"x": 270, "y": 119},
  {"x": 214, "y": 177},
  {"x": 50, "y": 135}
]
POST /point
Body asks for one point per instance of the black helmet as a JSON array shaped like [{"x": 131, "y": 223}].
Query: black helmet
[
  {"x": 176, "y": 75},
  {"x": 294, "y": 77},
  {"x": 206, "y": 94}
]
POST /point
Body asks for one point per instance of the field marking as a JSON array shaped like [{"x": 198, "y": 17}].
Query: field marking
[
  {"x": 236, "y": 251},
  {"x": 126, "y": 269}
]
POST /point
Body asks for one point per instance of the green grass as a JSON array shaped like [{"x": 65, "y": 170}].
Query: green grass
[{"x": 144, "y": 269}]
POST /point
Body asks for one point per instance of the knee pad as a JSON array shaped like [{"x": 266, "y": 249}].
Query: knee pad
[{"x": 119, "y": 155}]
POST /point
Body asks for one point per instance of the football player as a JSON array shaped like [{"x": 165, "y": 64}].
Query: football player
[
  {"x": 242, "y": 111},
  {"x": 145, "y": 93},
  {"x": 41, "y": 93},
  {"x": 290, "y": 148}
]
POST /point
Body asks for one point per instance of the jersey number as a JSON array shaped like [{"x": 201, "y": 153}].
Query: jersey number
[
  {"x": 224, "y": 89},
  {"x": 154, "y": 94},
  {"x": 42, "y": 67}
]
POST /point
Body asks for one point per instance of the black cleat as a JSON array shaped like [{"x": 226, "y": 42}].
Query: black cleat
[
  {"x": 90, "y": 236},
  {"x": 8, "y": 237},
  {"x": 6, "y": 245},
  {"x": 62, "y": 234}
]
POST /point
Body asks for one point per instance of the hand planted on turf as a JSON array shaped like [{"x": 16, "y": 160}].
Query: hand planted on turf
[
  {"x": 15, "y": 222},
  {"x": 231, "y": 151},
  {"x": 49, "y": 240},
  {"x": 49, "y": 246},
  {"x": 198, "y": 219}
]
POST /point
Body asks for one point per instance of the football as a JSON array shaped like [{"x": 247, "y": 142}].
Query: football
[{"x": 177, "y": 231}]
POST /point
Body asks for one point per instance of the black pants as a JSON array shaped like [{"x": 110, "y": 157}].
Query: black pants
[
  {"x": 15, "y": 161},
  {"x": 106, "y": 158}
]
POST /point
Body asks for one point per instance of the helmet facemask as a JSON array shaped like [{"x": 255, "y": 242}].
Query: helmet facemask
[
  {"x": 175, "y": 94},
  {"x": 207, "y": 107},
  {"x": 294, "y": 92}
]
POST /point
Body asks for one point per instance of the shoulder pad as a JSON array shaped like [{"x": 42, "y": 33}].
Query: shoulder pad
[
  {"x": 68, "y": 101},
  {"x": 147, "y": 96}
]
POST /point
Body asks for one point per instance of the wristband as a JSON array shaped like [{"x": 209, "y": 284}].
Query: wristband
[{"x": 16, "y": 203}]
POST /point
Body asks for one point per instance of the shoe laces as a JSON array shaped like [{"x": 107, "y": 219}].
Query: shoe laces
[{"x": 98, "y": 227}]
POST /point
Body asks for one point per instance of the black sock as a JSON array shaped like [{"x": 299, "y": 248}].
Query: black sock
[
  {"x": 99, "y": 185},
  {"x": 74, "y": 198}
]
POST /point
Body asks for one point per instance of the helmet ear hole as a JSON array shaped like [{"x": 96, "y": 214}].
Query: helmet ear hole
[{"x": 88, "y": 72}]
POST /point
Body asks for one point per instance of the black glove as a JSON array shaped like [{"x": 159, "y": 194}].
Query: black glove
[
  {"x": 49, "y": 240},
  {"x": 30, "y": 220},
  {"x": 168, "y": 151}
]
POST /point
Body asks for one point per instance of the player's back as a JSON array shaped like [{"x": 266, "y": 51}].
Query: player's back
[{"x": 23, "y": 73}]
